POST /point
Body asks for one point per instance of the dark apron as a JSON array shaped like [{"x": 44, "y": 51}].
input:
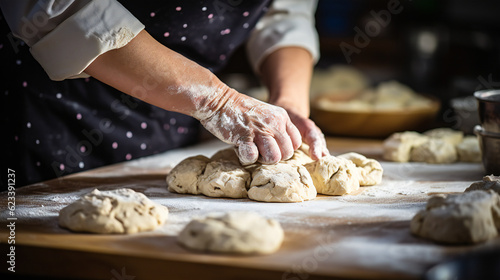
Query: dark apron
[{"x": 58, "y": 128}]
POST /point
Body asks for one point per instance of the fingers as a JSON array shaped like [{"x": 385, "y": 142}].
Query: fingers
[
  {"x": 317, "y": 143},
  {"x": 248, "y": 153},
  {"x": 294, "y": 134},
  {"x": 268, "y": 148}
]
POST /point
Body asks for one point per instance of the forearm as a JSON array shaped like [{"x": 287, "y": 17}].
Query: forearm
[
  {"x": 157, "y": 75},
  {"x": 287, "y": 74}
]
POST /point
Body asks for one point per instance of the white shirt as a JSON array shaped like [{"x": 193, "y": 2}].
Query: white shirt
[{"x": 66, "y": 36}]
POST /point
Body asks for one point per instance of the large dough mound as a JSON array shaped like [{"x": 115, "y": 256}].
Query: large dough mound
[
  {"x": 399, "y": 145},
  {"x": 224, "y": 179},
  {"x": 117, "y": 211},
  {"x": 434, "y": 151},
  {"x": 370, "y": 170},
  {"x": 228, "y": 154},
  {"x": 183, "y": 178},
  {"x": 281, "y": 183},
  {"x": 235, "y": 232},
  {"x": 334, "y": 175},
  {"x": 489, "y": 182},
  {"x": 470, "y": 217}
]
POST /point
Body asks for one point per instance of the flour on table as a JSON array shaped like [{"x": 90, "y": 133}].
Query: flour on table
[
  {"x": 470, "y": 217},
  {"x": 233, "y": 232},
  {"x": 117, "y": 211}
]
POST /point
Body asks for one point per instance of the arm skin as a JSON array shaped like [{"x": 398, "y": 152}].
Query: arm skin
[
  {"x": 287, "y": 74},
  {"x": 147, "y": 70}
]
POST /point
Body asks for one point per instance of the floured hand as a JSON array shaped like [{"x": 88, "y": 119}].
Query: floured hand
[{"x": 253, "y": 126}]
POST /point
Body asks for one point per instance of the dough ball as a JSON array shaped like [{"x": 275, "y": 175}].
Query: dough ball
[
  {"x": 281, "y": 183},
  {"x": 449, "y": 135},
  {"x": 370, "y": 170},
  {"x": 468, "y": 150},
  {"x": 334, "y": 175},
  {"x": 489, "y": 182},
  {"x": 434, "y": 151},
  {"x": 398, "y": 146},
  {"x": 228, "y": 154},
  {"x": 224, "y": 179},
  {"x": 183, "y": 178},
  {"x": 235, "y": 232},
  {"x": 470, "y": 217},
  {"x": 116, "y": 211}
]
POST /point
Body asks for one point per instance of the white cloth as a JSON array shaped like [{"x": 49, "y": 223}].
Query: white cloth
[
  {"x": 288, "y": 23},
  {"x": 66, "y": 36}
]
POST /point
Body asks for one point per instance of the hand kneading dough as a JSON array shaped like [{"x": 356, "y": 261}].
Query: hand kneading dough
[
  {"x": 468, "y": 150},
  {"x": 449, "y": 135},
  {"x": 398, "y": 146},
  {"x": 224, "y": 179},
  {"x": 334, "y": 176},
  {"x": 434, "y": 151},
  {"x": 370, "y": 170},
  {"x": 236, "y": 232},
  {"x": 183, "y": 178},
  {"x": 470, "y": 217},
  {"x": 489, "y": 182},
  {"x": 117, "y": 211},
  {"x": 281, "y": 183}
]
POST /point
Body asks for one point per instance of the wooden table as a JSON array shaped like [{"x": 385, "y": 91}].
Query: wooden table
[{"x": 365, "y": 235}]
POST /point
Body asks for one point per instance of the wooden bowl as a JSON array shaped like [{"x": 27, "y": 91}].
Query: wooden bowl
[{"x": 375, "y": 124}]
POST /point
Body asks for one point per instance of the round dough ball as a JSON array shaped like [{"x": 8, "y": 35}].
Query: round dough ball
[
  {"x": 470, "y": 217},
  {"x": 235, "y": 232},
  {"x": 468, "y": 150},
  {"x": 449, "y": 135},
  {"x": 398, "y": 146},
  {"x": 116, "y": 211},
  {"x": 224, "y": 179},
  {"x": 334, "y": 176},
  {"x": 434, "y": 151},
  {"x": 370, "y": 170},
  {"x": 281, "y": 183},
  {"x": 489, "y": 182},
  {"x": 183, "y": 178}
]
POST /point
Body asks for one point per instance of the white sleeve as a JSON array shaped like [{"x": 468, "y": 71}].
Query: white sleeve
[
  {"x": 286, "y": 23},
  {"x": 67, "y": 36}
]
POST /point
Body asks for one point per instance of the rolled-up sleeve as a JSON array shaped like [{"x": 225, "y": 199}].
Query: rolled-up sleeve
[
  {"x": 67, "y": 36},
  {"x": 287, "y": 23}
]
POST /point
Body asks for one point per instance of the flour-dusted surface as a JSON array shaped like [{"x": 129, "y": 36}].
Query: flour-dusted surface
[{"x": 363, "y": 235}]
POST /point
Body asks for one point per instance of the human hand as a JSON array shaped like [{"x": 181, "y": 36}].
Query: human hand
[{"x": 253, "y": 126}]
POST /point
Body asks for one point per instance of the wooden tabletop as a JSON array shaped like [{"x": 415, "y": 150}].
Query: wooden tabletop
[{"x": 365, "y": 235}]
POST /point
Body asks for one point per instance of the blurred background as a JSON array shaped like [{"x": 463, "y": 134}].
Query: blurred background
[{"x": 447, "y": 49}]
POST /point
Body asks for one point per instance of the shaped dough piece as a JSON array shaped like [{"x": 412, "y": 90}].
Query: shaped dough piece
[
  {"x": 224, "y": 179},
  {"x": 228, "y": 154},
  {"x": 234, "y": 232},
  {"x": 116, "y": 211},
  {"x": 398, "y": 146},
  {"x": 470, "y": 217},
  {"x": 370, "y": 170},
  {"x": 434, "y": 151},
  {"x": 489, "y": 182},
  {"x": 468, "y": 150},
  {"x": 334, "y": 175},
  {"x": 299, "y": 158},
  {"x": 183, "y": 178},
  {"x": 281, "y": 183},
  {"x": 449, "y": 135}
]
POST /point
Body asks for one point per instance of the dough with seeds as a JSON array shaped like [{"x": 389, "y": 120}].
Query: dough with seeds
[
  {"x": 116, "y": 211},
  {"x": 224, "y": 179},
  {"x": 183, "y": 178},
  {"x": 370, "y": 170},
  {"x": 334, "y": 175},
  {"x": 281, "y": 183},
  {"x": 233, "y": 232},
  {"x": 470, "y": 217}
]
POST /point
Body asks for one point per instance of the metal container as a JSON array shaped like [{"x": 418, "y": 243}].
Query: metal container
[
  {"x": 489, "y": 109},
  {"x": 490, "y": 149}
]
